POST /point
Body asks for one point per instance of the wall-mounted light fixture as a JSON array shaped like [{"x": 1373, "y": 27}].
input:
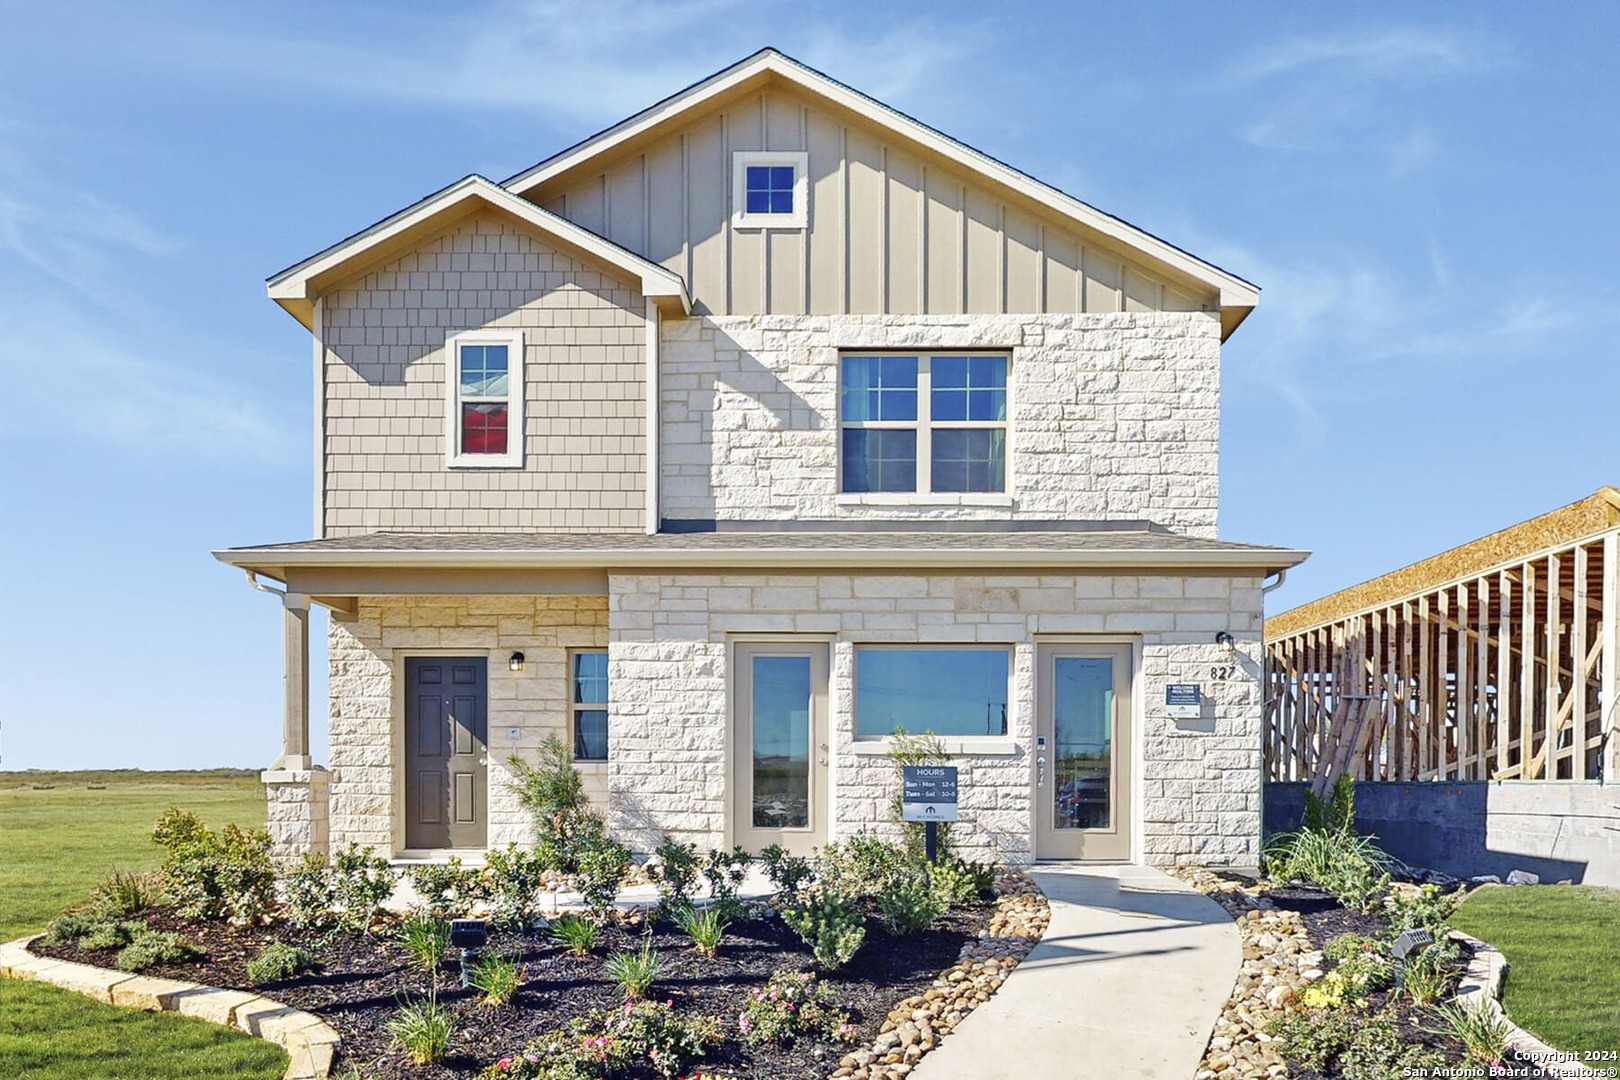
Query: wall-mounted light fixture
[
  {"x": 1226, "y": 641},
  {"x": 516, "y": 663}
]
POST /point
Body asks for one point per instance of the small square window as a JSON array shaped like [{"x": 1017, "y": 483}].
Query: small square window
[{"x": 770, "y": 190}]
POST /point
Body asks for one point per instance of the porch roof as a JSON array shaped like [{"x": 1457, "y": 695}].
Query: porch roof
[{"x": 1101, "y": 549}]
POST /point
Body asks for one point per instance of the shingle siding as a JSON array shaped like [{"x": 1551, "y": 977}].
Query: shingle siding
[{"x": 384, "y": 385}]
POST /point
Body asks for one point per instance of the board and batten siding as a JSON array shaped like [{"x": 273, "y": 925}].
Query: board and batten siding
[
  {"x": 384, "y": 382},
  {"x": 890, "y": 231}
]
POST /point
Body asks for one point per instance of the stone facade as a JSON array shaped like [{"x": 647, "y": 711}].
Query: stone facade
[
  {"x": 297, "y": 816},
  {"x": 1197, "y": 784},
  {"x": 367, "y": 722},
  {"x": 384, "y": 383},
  {"x": 1112, "y": 416}
]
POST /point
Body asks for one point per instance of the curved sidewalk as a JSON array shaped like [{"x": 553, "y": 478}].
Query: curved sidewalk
[{"x": 1128, "y": 982}]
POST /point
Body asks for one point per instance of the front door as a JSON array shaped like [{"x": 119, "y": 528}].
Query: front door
[
  {"x": 1082, "y": 772},
  {"x": 446, "y": 722},
  {"x": 779, "y": 753}
]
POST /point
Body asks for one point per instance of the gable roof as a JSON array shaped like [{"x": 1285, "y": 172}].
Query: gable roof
[
  {"x": 1237, "y": 296},
  {"x": 296, "y": 287}
]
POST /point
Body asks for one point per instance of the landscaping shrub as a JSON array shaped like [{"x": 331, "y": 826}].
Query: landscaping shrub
[
  {"x": 72, "y": 925},
  {"x": 1428, "y": 974},
  {"x": 705, "y": 926},
  {"x": 830, "y": 925},
  {"x": 1378, "y": 1051},
  {"x": 423, "y": 1029},
  {"x": 425, "y": 938},
  {"x": 603, "y": 862},
  {"x": 149, "y": 948},
  {"x": 602, "y": 1044},
  {"x": 111, "y": 935},
  {"x": 959, "y": 883},
  {"x": 790, "y": 1005},
  {"x": 211, "y": 875},
  {"x": 1348, "y": 865},
  {"x": 125, "y": 892},
  {"x": 1484, "y": 1037},
  {"x": 908, "y": 907},
  {"x": 675, "y": 868},
  {"x": 278, "y": 961},
  {"x": 724, "y": 872},
  {"x": 553, "y": 792},
  {"x": 635, "y": 972},
  {"x": 1336, "y": 813},
  {"x": 447, "y": 889},
  {"x": 344, "y": 892},
  {"x": 924, "y": 748},
  {"x": 1428, "y": 909},
  {"x": 1314, "y": 1036},
  {"x": 514, "y": 878},
  {"x": 496, "y": 978},
  {"x": 862, "y": 865},
  {"x": 575, "y": 934},
  {"x": 1362, "y": 967},
  {"x": 789, "y": 873}
]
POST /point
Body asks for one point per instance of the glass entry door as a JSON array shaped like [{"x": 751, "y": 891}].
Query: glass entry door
[
  {"x": 1082, "y": 772},
  {"x": 779, "y": 754}
]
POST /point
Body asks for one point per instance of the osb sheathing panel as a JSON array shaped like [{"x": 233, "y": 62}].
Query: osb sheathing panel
[{"x": 1591, "y": 516}]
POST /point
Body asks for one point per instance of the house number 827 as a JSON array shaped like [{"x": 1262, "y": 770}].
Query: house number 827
[{"x": 1222, "y": 672}]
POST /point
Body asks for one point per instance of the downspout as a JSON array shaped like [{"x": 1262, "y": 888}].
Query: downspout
[{"x": 653, "y": 435}]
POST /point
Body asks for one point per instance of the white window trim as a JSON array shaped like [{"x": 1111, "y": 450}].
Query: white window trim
[
  {"x": 577, "y": 707},
  {"x": 981, "y": 744},
  {"x": 453, "y": 457},
  {"x": 741, "y": 218},
  {"x": 924, "y": 426}
]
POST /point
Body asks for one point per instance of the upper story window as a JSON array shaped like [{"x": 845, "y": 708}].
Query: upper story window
[
  {"x": 484, "y": 399},
  {"x": 924, "y": 424},
  {"x": 770, "y": 190}
]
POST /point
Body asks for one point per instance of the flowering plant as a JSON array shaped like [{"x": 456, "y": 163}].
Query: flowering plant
[
  {"x": 607, "y": 1042},
  {"x": 792, "y": 1004}
]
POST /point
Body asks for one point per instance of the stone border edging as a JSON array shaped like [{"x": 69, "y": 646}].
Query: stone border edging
[
  {"x": 309, "y": 1042},
  {"x": 1481, "y": 988},
  {"x": 916, "y": 1026}
]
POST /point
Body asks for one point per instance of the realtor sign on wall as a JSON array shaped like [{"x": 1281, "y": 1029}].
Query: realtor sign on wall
[{"x": 928, "y": 793}]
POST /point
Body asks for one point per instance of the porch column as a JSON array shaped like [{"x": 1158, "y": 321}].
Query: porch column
[{"x": 295, "y": 684}]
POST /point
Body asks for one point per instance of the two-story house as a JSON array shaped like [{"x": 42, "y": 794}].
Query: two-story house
[{"x": 733, "y": 438}]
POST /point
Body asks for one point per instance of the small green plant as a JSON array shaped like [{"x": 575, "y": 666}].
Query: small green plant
[
  {"x": 789, "y": 873},
  {"x": 1484, "y": 1036},
  {"x": 922, "y": 748},
  {"x": 675, "y": 867},
  {"x": 642, "y": 1035},
  {"x": 125, "y": 892},
  {"x": 425, "y": 938},
  {"x": 447, "y": 889},
  {"x": 724, "y": 873},
  {"x": 830, "y": 925},
  {"x": 603, "y": 863},
  {"x": 514, "y": 878},
  {"x": 1428, "y": 909},
  {"x": 1336, "y": 813},
  {"x": 635, "y": 972},
  {"x": 1314, "y": 1037},
  {"x": 89, "y": 928},
  {"x": 216, "y": 875},
  {"x": 1378, "y": 1050},
  {"x": 1361, "y": 969},
  {"x": 345, "y": 892},
  {"x": 150, "y": 948},
  {"x": 423, "y": 1030},
  {"x": 278, "y": 961},
  {"x": 959, "y": 883},
  {"x": 862, "y": 865},
  {"x": 111, "y": 935},
  {"x": 705, "y": 926},
  {"x": 496, "y": 978},
  {"x": 908, "y": 907},
  {"x": 553, "y": 792},
  {"x": 575, "y": 934},
  {"x": 793, "y": 1004},
  {"x": 1428, "y": 975},
  {"x": 1348, "y": 865}
]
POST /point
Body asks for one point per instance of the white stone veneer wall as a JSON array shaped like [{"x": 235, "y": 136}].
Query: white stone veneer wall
[
  {"x": 367, "y": 722},
  {"x": 1113, "y": 416},
  {"x": 1198, "y": 787}
]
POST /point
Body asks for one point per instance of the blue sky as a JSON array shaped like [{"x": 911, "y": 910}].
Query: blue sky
[{"x": 1424, "y": 191}]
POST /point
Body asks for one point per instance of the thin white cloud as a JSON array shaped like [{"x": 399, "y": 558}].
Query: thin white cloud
[{"x": 1399, "y": 52}]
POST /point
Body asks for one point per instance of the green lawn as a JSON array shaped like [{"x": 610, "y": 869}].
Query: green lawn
[
  {"x": 51, "y": 1034},
  {"x": 1561, "y": 942},
  {"x": 60, "y": 837}
]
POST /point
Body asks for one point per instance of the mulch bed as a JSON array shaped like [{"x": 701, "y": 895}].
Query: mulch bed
[{"x": 363, "y": 980}]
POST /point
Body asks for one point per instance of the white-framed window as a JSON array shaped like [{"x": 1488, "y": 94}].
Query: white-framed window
[
  {"x": 483, "y": 407},
  {"x": 770, "y": 190},
  {"x": 588, "y": 703},
  {"x": 953, "y": 691},
  {"x": 923, "y": 423}
]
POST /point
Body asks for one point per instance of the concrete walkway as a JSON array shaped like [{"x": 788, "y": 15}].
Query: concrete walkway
[{"x": 1128, "y": 982}]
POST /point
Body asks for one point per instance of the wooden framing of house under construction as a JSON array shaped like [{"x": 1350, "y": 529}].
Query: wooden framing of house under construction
[{"x": 1497, "y": 660}]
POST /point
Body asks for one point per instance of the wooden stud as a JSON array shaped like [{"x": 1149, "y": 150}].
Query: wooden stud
[
  {"x": 1609, "y": 688},
  {"x": 1403, "y": 757},
  {"x": 1527, "y": 670},
  {"x": 1577, "y": 689},
  {"x": 1442, "y": 697},
  {"x": 1555, "y": 643},
  {"x": 1465, "y": 690},
  {"x": 1504, "y": 678},
  {"x": 1477, "y": 768}
]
